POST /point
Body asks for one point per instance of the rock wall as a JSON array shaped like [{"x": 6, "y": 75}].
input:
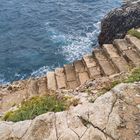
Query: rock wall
[
  {"x": 116, "y": 24},
  {"x": 113, "y": 116}
]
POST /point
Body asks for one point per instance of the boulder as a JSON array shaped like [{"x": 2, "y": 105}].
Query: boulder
[{"x": 117, "y": 22}]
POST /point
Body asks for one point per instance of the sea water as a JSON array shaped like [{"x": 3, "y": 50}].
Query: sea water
[{"x": 37, "y": 36}]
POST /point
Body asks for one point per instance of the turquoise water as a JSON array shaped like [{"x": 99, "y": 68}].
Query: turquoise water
[{"x": 39, "y": 35}]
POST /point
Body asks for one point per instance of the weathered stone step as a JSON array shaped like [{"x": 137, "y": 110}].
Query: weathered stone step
[
  {"x": 71, "y": 76},
  {"x": 118, "y": 61},
  {"x": 42, "y": 86},
  {"x": 81, "y": 73},
  {"x": 32, "y": 87},
  {"x": 60, "y": 78},
  {"x": 92, "y": 68},
  {"x": 70, "y": 72},
  {"x": 121, "y": 45},
  {"x": 83, "y": 77},
  {"x": 72, "y": 84},
  {"x": 51, "y": 81},
  {"x": 132, "y": 56},
  {"x": 105, "y": 65},
  {"x": 126, "y": 50},
  {"x": 134, "y": 41},
  {"x": 79, "y": 66},
  {"x": 89, "y": 61}
]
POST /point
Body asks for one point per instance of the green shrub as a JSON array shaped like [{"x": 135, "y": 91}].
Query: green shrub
[
  {"x": 134, "y": 77},
  {"x": 35, "y": 106},
  {"x": 134, "y": 32}
]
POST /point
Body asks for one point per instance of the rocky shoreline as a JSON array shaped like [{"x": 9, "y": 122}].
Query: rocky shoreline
[
  {"x": 117, "y": 22},
  {"x": 100, "y": 110},
  {"x": 104, "y": 63}
]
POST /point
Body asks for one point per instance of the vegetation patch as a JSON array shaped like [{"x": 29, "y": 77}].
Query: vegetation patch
[
  {"x": 134, "y": 76},
  {"x": 134, "y": 32},
  {"x": 36, "y": 106},
  {"x": 41, "y": 104}
]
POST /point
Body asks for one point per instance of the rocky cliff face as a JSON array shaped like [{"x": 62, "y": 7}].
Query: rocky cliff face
[
  {"x": 119, "y": 21},
  {"x": 113, "y": 116}
]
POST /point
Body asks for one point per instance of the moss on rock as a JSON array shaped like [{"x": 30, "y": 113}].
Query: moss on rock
[{"x": 134, "y": 32}]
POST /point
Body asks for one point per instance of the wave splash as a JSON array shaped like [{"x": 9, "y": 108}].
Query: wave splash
[
  {"x": 74, "y": 47},
  {"x": 80, "y": 45}
]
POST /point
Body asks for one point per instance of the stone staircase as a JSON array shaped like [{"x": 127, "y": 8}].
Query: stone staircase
[
  {"x": 104, "y": 63},
  {"x": 107, "y": 60}
]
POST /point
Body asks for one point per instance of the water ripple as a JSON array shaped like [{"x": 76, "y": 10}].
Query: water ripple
[{"x": 39, "y": 35}]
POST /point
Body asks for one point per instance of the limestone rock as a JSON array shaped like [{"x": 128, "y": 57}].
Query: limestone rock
[{"x": 113, "y": 116}]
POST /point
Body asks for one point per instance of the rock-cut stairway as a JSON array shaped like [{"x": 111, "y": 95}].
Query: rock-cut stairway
[{"x": 106, "y": 60}]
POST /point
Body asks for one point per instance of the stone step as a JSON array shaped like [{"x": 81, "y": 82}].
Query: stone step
[
  {"x": 81, "y": 71},
  {"x": 121, "y": 45},
  {"x": 83, "y": 77},
  {"x": 133, "y": 57},
  {"x": 51, "y": 81},
  {"x": 106, "y": 67},
  {"x": 79, "y": 66},
  {"x": 89, "y": 61},
  {"x": 92, "y": 68},
  {"x": 127, "y": 51},
  {"x": 42, "y": 86},
  {"x": 32, "y": 87},
  {"x": 70, "y": 72},
  {"x": 71, "y": 77},
  {"x": 118, "y": 61},
  {"x": 60, "y": 78},
  {"x": 72, "y": 84},
  {"x": 134, "y": 41}
]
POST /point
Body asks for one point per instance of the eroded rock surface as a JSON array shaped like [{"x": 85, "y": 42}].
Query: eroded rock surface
[
  {"x": 116, "y": 24},
  {"x": 113, "y": 116}
]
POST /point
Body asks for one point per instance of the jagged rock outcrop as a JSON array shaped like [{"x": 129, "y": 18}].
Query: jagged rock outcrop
[
  {"x": 116, "y": 24},
  {"x": 113, "y": 116}
]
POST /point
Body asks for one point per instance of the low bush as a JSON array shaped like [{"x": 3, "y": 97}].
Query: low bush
[
  {"x": 134, "y": 32},
  {"x": 134, "y": 76},
  {"x": 35, "y": 106}
]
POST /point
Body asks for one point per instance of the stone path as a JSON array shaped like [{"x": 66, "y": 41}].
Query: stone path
[{"x": 107, "y": 60}]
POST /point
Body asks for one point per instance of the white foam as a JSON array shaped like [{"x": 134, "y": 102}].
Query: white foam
[
  {"x": 80, "y": 45},
  {"x": 75, "y": 48},
  {"x": 3, "y": 80},
  {"x": 41, "y": 71}
]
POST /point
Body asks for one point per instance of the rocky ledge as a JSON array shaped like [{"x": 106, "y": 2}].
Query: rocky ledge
[
  {"x": 116, "y": 24},
  {"x": 113, "y": 116}
]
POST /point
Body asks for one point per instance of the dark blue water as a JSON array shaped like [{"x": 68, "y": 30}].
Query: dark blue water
[{"x": 39, "y": 35}]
